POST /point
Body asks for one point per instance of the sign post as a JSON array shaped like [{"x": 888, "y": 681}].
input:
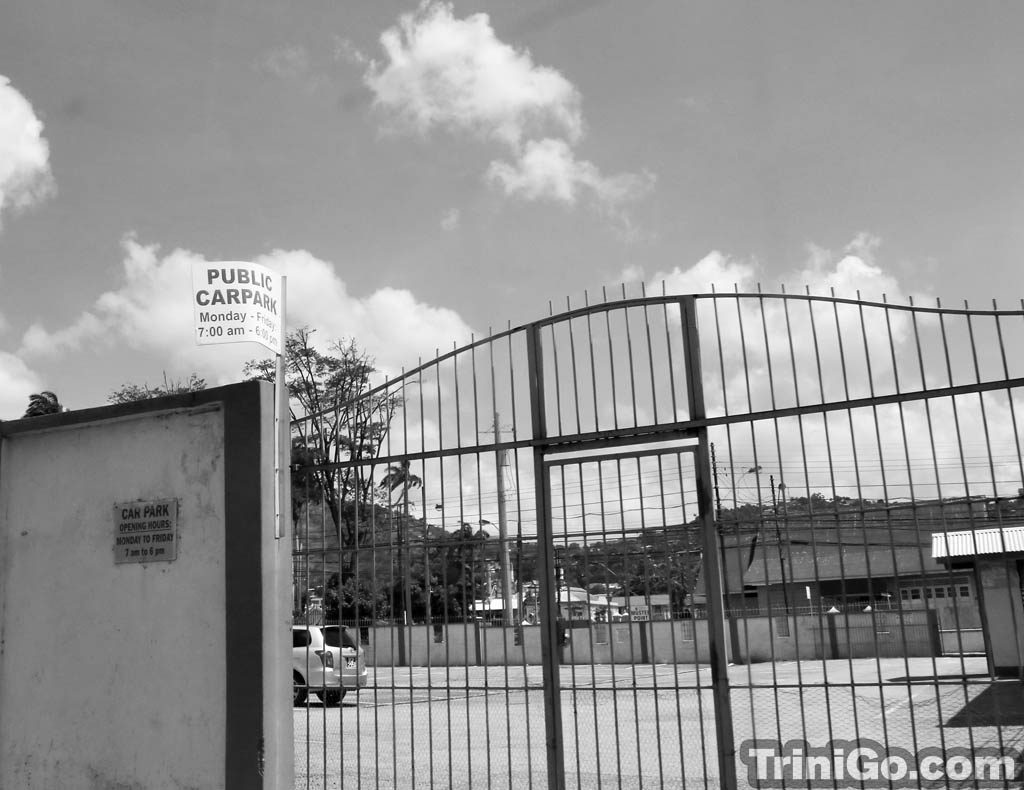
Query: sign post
[{"x": 240, "y": 302}]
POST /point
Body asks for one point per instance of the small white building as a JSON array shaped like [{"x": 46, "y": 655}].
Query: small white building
[{"x": 641, "y": 608}]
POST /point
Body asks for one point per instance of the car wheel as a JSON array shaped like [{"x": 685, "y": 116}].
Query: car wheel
[
  {"x": 331, "y": 697},
  {"x": 299, "y": 690}
]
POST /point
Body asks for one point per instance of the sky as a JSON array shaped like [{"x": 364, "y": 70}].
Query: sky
[{"x": 425, "y": 173}]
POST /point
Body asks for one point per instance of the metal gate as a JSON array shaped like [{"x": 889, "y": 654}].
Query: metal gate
[{"x": 673, "y": 541}]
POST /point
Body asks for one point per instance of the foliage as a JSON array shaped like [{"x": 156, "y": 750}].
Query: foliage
[
  {"x": 658, "y": 562},
  {"x": 128, "y": 392},
  {"x": 43, "y": 403},
  {"x": 444, "y": 574},
  {"x": 334, "y": 422}
]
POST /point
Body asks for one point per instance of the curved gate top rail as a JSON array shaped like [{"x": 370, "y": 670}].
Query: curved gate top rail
[{"x": 618, "y": 369}]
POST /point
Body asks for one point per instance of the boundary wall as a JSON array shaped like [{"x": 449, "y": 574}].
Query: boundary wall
[
  {"x": 755, "y": 639},
  {"x": 121, "y": 671}
]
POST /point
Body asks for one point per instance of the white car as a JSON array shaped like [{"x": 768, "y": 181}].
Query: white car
[{"x": 327, "y": 661}]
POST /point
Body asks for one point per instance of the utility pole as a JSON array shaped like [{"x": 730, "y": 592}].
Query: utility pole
[{"x": 503, "y": 553}]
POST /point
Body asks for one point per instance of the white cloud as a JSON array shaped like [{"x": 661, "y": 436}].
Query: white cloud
[
  {"x": 286, "y": 62},
  {"x": 17, "y": 382},
  {"x": 25, "y": 176},
  {"x": 456, "y": 75},
  {"x": 548, "y": 169},
  {"x": 391, "y": 324},
  {"x": 345, "y": 50},
  {"x": 451, "y": 219},
  {"x": 713, "y": 270},
  {"x": 855, "y": 271},
  {"x": 150, "y": 310}
]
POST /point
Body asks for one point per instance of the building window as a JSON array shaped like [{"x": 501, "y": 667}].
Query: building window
[
  {"x": 965, "y": 591},
  {"x": 915, "y": 593},
  {"x": 688, "y": 630}
]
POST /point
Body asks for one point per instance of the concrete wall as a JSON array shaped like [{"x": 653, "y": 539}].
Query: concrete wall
[
  {"x": 757, "y": 638},
  {"x": 144, "y": 674}
]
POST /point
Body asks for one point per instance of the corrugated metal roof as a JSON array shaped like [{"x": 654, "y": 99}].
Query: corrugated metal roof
[{"x": 967, "y": 543}]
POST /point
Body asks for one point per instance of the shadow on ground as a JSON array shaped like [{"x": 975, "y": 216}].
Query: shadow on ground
[{"x": 1000, "y": 705}]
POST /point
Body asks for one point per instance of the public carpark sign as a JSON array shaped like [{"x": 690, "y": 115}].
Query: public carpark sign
[
  {"x": 146, "y": 531},
  {"x": 237, "y": 302}
]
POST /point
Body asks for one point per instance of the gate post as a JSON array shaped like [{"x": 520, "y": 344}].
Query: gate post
[
  {"x": 710, "y": 549},
  {"x": 549, "y": 636}
]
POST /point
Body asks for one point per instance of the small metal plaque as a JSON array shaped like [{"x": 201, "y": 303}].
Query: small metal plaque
[{"x": 146, "y": 531}]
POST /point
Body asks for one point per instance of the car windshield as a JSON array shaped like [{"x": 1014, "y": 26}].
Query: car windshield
[{"x": 339, "y": 637}]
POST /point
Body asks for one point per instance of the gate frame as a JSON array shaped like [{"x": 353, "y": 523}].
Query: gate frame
[{"x": 542, "y": 447}]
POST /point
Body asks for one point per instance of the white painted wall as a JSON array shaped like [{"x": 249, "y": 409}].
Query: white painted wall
[{"x": 112, "y": 676}]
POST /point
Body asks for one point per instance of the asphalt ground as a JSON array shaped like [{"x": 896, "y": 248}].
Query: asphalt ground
[{"x": 643, "y": 726}]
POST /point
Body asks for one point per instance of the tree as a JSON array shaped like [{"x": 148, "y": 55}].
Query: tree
[
  {"x": 43, "y": 403},
  {"x": 334, "y": 422},
  {"x": 401, "y": 477},
  {"x": 134, "y": 392}
]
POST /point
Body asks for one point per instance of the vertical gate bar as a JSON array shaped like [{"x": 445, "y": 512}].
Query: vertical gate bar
[
  {"x": 593, "y": 363},
  {"x": 504, "y": 556},
  {"x": 555, "y": 373},
  {"x": 897, "y": 385},
  {"x": 630, "y": 552},
  {"x": 645, "y": 547},
  {"x": 587, "y": 566},
  {"x": 918, "y": 537},
  {"x": 650, "y": 356},
  {"x": 675, "y": 648},
  {"x": 427, "y": 571},
  {"x": 438, "y": 372},
  {"x": 519, "y": 558},
  {"x": 733, "y": 645},
  {"x": 560, "y": 580},
  {"x": 629, "y": 362},
  {"x": 611, "y": 365},
  {"x": 480, "y": 660},
  {"x": 575, "y": 374},
  {"x": 933, "y": 449},
  {"x": 670, "y": 362},
  {"x": 867, "y": 546},
  {"x": 626, "y": 597},
  {"x": 705, "y": 504},
  {"x": 554, "y": 747},
  {"x": 966, "y": 483},
  {"x": 466, "y": 604},
  {"x": 759, "y": 527},
  {"x": 822, "y": 618},
  {"x": 773, "y": 633},
  {"x": 792, "y": 612},
  {"x": 967, "y": 491},
  {"x": 842, "y": 570},
  {"x": 756, "y": 468},
  {"x": 303, "y": 596}
]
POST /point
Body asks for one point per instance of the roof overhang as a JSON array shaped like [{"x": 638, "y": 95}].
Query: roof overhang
[{"x": 972, "y": 542}]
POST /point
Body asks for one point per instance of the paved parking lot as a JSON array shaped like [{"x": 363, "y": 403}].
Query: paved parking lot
[{"x": 625, "y": 726}]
